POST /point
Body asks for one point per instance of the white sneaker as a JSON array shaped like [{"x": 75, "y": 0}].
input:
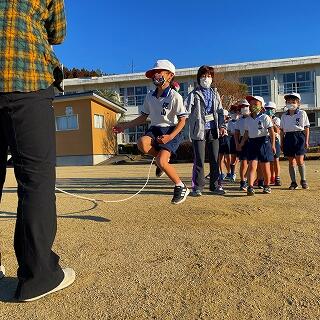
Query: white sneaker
[
  {"x": 2, "y": 271},
  {"x": 69, "y": 277}
]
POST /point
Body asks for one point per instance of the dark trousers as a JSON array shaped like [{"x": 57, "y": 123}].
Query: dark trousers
[
  {"x": 3, "y": 164},
  {"x": 199, "y": 148},
  {"x": 27, "y": 126}
]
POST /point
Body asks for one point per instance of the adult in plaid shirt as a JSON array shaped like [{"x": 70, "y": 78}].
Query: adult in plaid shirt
[{"x": 27, "y": 126}]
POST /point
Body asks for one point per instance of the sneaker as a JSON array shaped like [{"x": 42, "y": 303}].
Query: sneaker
[
  {"x": 277, "y": 182},
  {"x": 196, "y": 193},
  {"x": 207, "y": 176},
  {"x": 228, "y": 177},
  {"x": 2, "y": 271},
  {"x": 222, "y": 176},
  {"x": 304, "y": 184},
  {"x": 233, "y": 177},
  {"x": 293, "y": 186},
  {"x": 180, "y": 194},
  {"x": 266, "y": 189},
  {"x": 243, "y": 186},
  {"x": 69, "y": 277},
  {"x": 218, "y": 190},
  {"x": 260, "y": 184},
  {"x": 250, "y": 191},
  {"x": 159, "y": 172}
]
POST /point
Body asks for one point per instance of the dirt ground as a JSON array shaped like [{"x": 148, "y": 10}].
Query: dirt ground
[{"x": 214, "y": 257}]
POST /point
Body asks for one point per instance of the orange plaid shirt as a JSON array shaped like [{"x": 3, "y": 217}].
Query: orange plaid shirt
[{"x": 28, "y": 28}]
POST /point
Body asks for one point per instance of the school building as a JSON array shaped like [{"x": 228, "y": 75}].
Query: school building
[
  {"x": 271, "y": 79},
  {"x": 84, "y": 128}
]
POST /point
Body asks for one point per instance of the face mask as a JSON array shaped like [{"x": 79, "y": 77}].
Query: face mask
[
  {"x": 290, "y": 106},
  {"x": 255, "y": 109},
  {"x": 245, "y": 111},
  {"x": 206, "y": 82},
  {"x": 270, "y": 112},
  {"x": 158, "y": 80},
  {"x": 233, "y": 116}
]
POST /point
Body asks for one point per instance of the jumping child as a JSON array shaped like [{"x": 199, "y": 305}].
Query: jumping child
[{"x": 164, "y": 106}]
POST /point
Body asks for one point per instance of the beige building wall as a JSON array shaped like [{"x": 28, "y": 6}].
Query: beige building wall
[
  {"x": 103, "y": 140},
  {"x": 75, "y": 142}
]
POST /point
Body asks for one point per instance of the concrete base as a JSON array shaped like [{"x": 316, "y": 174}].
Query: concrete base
[{"x": 90, "y": 160}]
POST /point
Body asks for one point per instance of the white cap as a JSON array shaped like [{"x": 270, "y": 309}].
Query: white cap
[
  {"x": 249, "y": 98},
  {"x": 244, "y": 102},
  {"x": 161, "y": 65},
  {"x": 293, "y": 94},
  {"x": 271, "y": 105}
]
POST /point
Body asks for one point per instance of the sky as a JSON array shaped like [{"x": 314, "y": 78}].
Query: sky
[{"x": 121, "y": 36}]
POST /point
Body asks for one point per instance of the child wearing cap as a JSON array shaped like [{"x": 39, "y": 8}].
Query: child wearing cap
[
  {"x": 295, "y": 138},
  {"x": 164, "y": 106},
  {"x": 224, "y": 148},
  {"x": 205, "y": 119},
  {"x": 234, "y": 113},
  {"x": 261, "y": 143},
  {"x": 243, "y": 152},
  {"x": 270, "y": 110}
]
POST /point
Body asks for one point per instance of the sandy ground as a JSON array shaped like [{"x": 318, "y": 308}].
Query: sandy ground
[{"x": 214, "y": 257}]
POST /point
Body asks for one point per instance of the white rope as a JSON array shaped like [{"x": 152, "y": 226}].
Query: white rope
[{"x": 108, "y": 201}]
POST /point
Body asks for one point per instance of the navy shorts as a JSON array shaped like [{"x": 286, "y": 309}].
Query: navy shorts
[
  {"x": 260, "y": 149},
  {"x": 224, "y": 145},
  {"x": 278, "y": 149},
  {"x": 154, "y": 132},
  {"x": 293, "y": 144},
  {"x": 233, "y": 149},
  {"x": 243, "y": 154}
]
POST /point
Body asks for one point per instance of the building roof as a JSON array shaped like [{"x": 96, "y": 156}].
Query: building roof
[
  {"x": 93, "y": 96},
  {"x": 234, "y": 67}
]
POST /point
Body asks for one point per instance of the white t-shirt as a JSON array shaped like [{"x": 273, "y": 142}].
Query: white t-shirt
[
  {"x": 297, "y": 122},
  {"x": 259, "y": 126},
  {"x": 165, "y": 110},
  {"x": 232, "y": 126},
  {"x": 276, "y": 123},
  {"x": 240, "y": 125}
]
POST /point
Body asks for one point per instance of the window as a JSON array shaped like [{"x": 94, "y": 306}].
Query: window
[
  {"x": 183, "y": 89},
  {"x": 257, "y": 85},
  {"x": 132, "y": 135},
  {"x": 133, "y": 96},
  {"x": 69, "y": 122},
  {"x": 98, "y": 121},
  {"x": 295, "y": 82},
  {"x": 312, "y": 119}
]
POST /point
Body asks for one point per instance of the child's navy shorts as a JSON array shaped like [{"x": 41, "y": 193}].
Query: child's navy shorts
[
  {"x": 233, "y": 149},
  {"x": 278, "y": 149},
  {"x": 293, "y": 144},
  {"x": 154, "y": 132},
  {"x": 260, "y": 149},
  {"x": 243, "y": 154},
  {"x": 224, "y": 145}
]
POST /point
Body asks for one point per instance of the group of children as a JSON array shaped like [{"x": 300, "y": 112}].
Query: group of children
[
  {"x": 256, "y": 137},
  {"x": 249, "y": 133}
]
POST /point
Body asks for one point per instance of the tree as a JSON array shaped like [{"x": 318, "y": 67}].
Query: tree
[
  {"x": 109, "y": 95},
  {"x": 230, "y": 89},
  {"x": 81, "y": 73}
]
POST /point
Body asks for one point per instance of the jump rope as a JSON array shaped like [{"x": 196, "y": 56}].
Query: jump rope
[{"x": 95, "y": 201}]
